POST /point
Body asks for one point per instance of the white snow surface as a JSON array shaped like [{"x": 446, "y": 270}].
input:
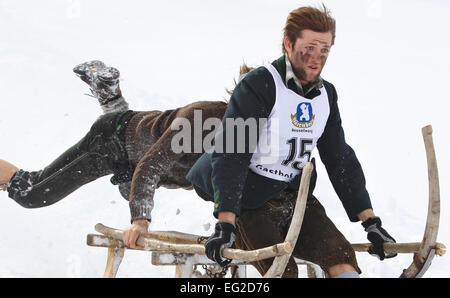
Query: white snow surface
[{"x": 390, "y": 67}]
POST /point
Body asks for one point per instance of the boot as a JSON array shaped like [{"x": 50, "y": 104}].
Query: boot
[{"x": 104, "y": 84}]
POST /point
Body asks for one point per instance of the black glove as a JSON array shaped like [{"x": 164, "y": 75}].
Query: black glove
[
  {"x": 22, "y": 183},
  {"x": 377, "y": 236},
  {"x": 223, "y": 237}
]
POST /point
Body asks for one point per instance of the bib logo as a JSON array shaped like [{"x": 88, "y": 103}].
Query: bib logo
[{"x": 304, "y": 117}]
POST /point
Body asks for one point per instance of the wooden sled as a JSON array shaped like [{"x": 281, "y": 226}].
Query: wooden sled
[
  {"x": 177, "y": 243},
  {"x": 185, "y": 251}
]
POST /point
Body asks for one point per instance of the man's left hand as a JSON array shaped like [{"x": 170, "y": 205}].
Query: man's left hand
[
  {"x": 377, "y": 236},
  {"x": 131, "y": 234},
  {"x": 223, "y": 237}
]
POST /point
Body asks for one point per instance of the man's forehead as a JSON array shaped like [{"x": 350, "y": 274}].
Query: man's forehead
[{"x": 324, "y": 38}]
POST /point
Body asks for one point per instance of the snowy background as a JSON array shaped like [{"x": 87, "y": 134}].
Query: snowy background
[{"x": 390, "y": 66}]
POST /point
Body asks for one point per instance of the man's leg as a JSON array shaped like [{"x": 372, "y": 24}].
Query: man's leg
[
  {"x": 258, "y": 228},
  {"x": 104, "y": 84},
  {"x": 320, "y": 242},
  {"x": 99, "y": 153}
]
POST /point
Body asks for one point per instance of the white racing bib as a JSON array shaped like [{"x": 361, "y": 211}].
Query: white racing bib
[{"x": 290, "y": 133}]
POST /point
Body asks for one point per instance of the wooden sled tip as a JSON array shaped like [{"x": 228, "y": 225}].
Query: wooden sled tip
[
  {"x": 100, "y": 228},
  {"x": 440, "y": 249},
  {"x": 309, "y": 166},
  {"x": 427, "y": 130}
]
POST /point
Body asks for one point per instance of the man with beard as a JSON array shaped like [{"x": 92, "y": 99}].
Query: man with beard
[{"x": 301, "y": 112}]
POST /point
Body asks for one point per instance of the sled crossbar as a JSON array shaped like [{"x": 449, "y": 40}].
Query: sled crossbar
[{"x": 400, "y": 248}]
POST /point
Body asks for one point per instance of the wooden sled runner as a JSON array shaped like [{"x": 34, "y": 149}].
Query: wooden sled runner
[{"x": 186, "y": 251}]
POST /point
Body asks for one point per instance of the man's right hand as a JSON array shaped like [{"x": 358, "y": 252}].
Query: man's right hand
[
  {"x": 223, "y": 237},
  {"x": 131, "y": 234},
  {"x": 377, "y": 236}
]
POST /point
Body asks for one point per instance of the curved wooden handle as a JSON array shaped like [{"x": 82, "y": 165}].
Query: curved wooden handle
[
  {"x": 280, "y": 262},
  {"x": 425, "y": 255}
]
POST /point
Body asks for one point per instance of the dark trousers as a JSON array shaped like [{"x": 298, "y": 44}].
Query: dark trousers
[
  {"x": 319, "y": 241},
  {"x": 101, "y": 152}
]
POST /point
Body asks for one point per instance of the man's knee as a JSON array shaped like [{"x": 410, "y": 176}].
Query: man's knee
[
  {"x": 106, "y": 137},
  {"x": 105, "y": 125},
  {"x": 342, "y": 271}
]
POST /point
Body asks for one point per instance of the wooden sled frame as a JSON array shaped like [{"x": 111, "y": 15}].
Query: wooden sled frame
[{"x": 183, "y": 245}]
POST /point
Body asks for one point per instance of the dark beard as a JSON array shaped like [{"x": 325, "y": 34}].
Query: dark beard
[{"x": 300, "y": 73}]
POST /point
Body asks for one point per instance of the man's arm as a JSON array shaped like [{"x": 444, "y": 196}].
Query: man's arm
[
  {"x": 365, "y": 215},
  {"x": 231, "y": 217},
  {"x": 253, "y": 98},
  {"x": 348, "y": 180},
  {"x": 343, "y": 167},
  {"x": 227, "y": 216},
  {"x": 131, "y": 233}
]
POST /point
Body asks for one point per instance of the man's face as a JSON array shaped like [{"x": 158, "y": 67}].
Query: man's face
[{"x": 308, "y": 54}]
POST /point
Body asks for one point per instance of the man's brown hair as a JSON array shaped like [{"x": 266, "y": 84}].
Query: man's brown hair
[
  {"x": 318, "y": 20},
  {"x": 300, "y": 19}
]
